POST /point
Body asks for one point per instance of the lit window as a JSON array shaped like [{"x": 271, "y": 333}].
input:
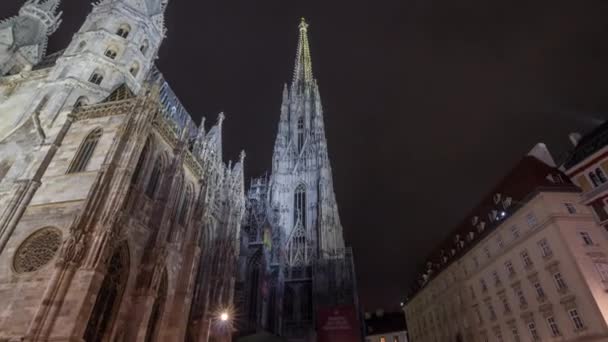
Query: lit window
[
  {"x": 395, "y": 338},
  {"x": 526, "y": 259},
  {"x": 559, "y": 281},
  {"x": 545, "y": 249},
  {"x": 532, "y": 220},
  {"x": 382, "y": 339},
  {"x": 553, "y": 326},
  {"x": 540, "y": 293},
  {"x": 570, "y": 207},
  {"x": 602, "y": 269},
  {"x": 96, "y": 78},
  {"x": 586, "y": 238},
  {"x": 576, "y": 319},
  {"x": 510, "y": 268},
  {"x": 533, "y": 331},
  {"x": 85, "y": 152},
  {"x": 111, "y": 53},
  {"x": 123, "y": 31}
]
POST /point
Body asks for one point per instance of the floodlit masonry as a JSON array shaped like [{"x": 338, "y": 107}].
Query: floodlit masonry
[{"x": 529, "y": 263}]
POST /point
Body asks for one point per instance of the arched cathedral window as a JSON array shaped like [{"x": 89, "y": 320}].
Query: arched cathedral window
[
  {"x": 255, "y": 264},
  {"x": 134, "y": 69},
  {"x": 96, "y": 78},
  {"x": 154, "y": 180},
  {"x": 184, "y": 208},
  {"x": 111, "y": 53},
  {"x": 300, "y": 205},
  {"x": 157, "y": 311},
  {"x": 85, "y": 152},
  {"x": 81, "y": 101},
  {"x": 178, "y": 195},
  {"x": 300, "y": 133},
  {"x": 144, "y": 47},
  {"x": 123, "y": 31},
  {"x": 140, "y": 163},
  {"x": 109, "y": 298}
]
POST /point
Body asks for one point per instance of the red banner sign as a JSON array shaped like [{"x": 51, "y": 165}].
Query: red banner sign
[{"x": 338, "y": 324}]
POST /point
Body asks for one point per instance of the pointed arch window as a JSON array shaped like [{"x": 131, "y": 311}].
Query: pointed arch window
[
  {"x": 157, "y": 310},
  {"x": 178, "y": 195},
  {"x": 111, "y": 53},
  {"x": 134, "y": 69},
  {"x": 182, "y": 214},
  {"x": 96, "y": 78},
  {"x": 300, "y": 204},
  {"x": 254, "y": 287},
  {"x": 154, "y": 180},
  {"x": 123, "y": 31},
  {"x": 109, "y": 298},
  {"x": 85, "y": 152},
  {"x": 81, "y": 46},
  {"x": 300, "y": 138},
  {"x": 144, "y": 47},
  {"x": 140, "y": 163},
  {"x": 81, "y": 101}
]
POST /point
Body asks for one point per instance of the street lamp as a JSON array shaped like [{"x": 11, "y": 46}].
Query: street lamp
[{"x": 224, "y": 316}]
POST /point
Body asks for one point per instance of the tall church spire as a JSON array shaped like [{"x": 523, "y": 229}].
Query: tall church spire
[{"x": 303, "y": 69}]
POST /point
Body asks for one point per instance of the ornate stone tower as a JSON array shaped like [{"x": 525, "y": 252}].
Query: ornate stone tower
[
  {"x": 293, "y": 237},
  {"x": 23, "y": 38}
]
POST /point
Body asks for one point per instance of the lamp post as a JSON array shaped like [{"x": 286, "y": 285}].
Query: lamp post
[{"x": 221, "y": 325}]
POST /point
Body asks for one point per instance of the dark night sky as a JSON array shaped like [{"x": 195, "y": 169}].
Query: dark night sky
[{"x": 427, "y": 103}]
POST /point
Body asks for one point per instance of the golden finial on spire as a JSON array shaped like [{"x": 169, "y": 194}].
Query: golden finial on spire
[{"x": 303, "y": 24}]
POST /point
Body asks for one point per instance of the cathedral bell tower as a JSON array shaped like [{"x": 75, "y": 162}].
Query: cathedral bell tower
[{"x": 302, "y": 195}]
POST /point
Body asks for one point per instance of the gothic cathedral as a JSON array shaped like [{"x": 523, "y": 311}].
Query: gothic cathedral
[
  {"x": 293, "y": 259},
  {"x": 119, "y": 221}
]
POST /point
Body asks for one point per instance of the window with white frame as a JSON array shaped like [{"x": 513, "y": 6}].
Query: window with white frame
[
  {"x": 510, "y": 268},
  {"x": 553, "y": 326},
  {"x": 111, "y": 53},
  {"x": 540, "y": 293},
  {"x": 533, "y": 331},
  {"x": 531, "y": 220},
  {"x": 570, "y": 207},
  {"x": 576, "y": 319},
  {"x": 545, "y": 249},
  {"x": 602, "y": 270},
  {"x": 559, "y": 281},
  {"x": 525, "y": 257},
  {"x": 587, "y": 240}
]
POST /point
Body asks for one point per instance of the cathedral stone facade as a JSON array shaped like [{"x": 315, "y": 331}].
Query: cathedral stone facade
[
  {"x": 293, "y": 259},
  {"x": 119, "y": 220}
]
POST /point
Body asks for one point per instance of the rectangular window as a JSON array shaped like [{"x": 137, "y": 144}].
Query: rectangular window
[
  {"x": 602, "y": 269},
  {"x": 515, "y": 232},
  {"x": 479, "y": 318},
  {"x": 515, "y": 334},
  {"x": 576, "y": 319},
  {"x": 587, "y": 241},
  {"x": 484, "y": 286},
  {"x": 553, "y": 326},
  {"x": 533, "y": 331},
  {"x": 539, "y": 290},
  {"x": 496, "y": 277},
  {"x": 526, "y": 259},
  {"x": 545, "y": 249},
  {"x": 559, "y": 281},
  {"x": 486, "y": 251},
  {"x": 510, "y": 268},
  {"x": 491, "y": 311},
  {"x": 499, "y": 242},
  {"x": 520, "y": 295},
  {"x": 505, "y": 304},
  {"x": 570, "y": 207},
  {"x": 532, "y": 220},
  {"x": 499, "y": 337}
]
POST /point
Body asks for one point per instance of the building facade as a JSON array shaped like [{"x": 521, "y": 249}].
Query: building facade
[
  {"x": 528, "y": 264},
  {"x": 119, "y": 220},
  {"x": 383, "y": 326},
  {"x": 294, "y": 261}
]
